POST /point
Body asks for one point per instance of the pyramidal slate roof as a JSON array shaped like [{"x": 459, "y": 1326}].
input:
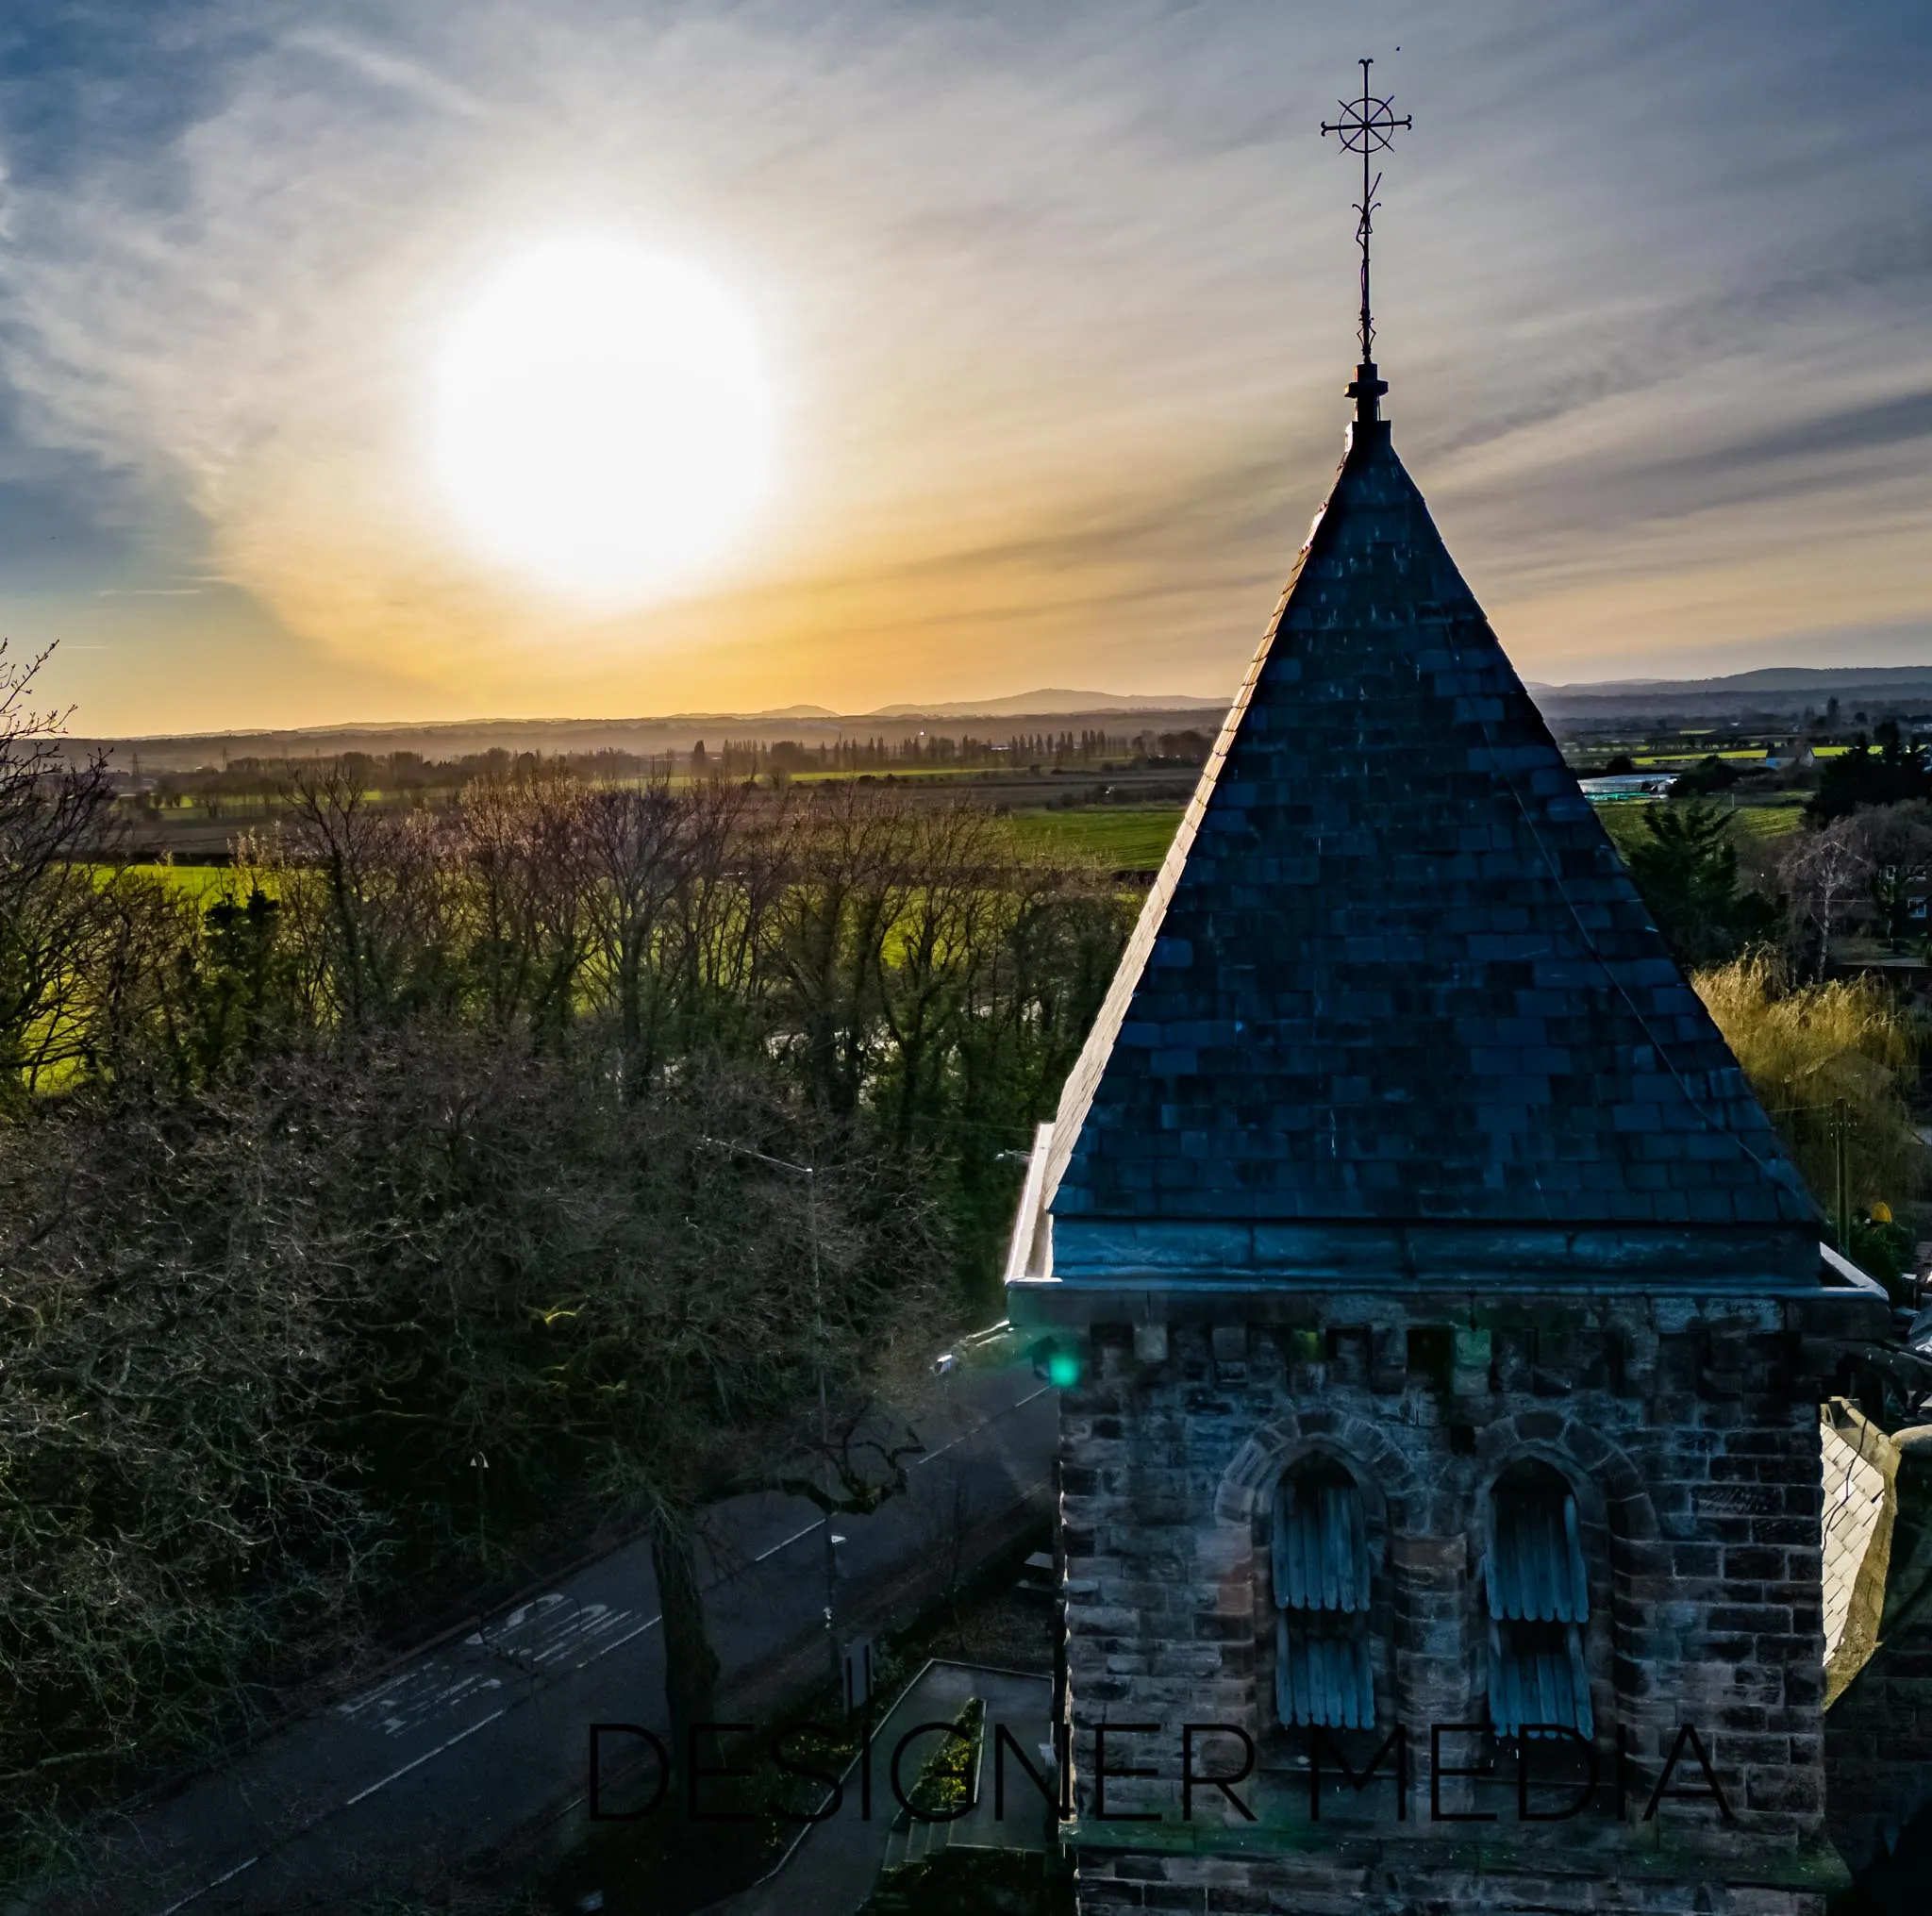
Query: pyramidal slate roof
[{"x": 1394, "y": 976}]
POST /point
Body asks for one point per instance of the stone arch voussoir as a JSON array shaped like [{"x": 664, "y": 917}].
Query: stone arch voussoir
[
  {"x": 1250, "y": 1479},
  {"x": 1579, "y": 1450}
]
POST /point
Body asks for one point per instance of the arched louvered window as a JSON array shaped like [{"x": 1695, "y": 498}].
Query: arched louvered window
[
  {"x": 1321, "y": 1672},
  {"x": 1539, "y": 1604}
]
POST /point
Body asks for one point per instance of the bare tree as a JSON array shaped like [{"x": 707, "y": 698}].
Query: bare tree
[
  {"x": 1822, "y": 873},
  {"x": 54, "y": 817},
  {"x": 936, "y": 970},
  {"x": 641, "y": 853},
  {"x": 847, "y": 883},
  {"x": 527, "y": 902}
]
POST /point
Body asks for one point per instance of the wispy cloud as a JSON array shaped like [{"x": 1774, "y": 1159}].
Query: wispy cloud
[{"x": 1060, "y": 301}]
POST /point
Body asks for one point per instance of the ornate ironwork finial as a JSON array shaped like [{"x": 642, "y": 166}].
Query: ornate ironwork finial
[{"x": 1367, "y": 125}]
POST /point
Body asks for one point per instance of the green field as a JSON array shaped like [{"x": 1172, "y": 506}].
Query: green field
[
  {"x": 1135, "y": 838},
  {"x": 1624, "y": 822},
  {"x": 1124, "y": 838},
  {"x": 1121, "y": 838},
  {"x": 205, "y": 884},
  {"x": 1648, "y": 761},
  {"x": 1769, "y": 821}
]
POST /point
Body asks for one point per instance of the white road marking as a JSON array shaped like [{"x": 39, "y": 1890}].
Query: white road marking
[
  {"x": 649, "y": 1624},
  {"x": 226, "y": 1876},
  {"x": 435, "y": 1688},
  {"x": 928, "y": 1456},
  {"x": 416, "y": 1763},
  {"x": 816, "y": 1524}
]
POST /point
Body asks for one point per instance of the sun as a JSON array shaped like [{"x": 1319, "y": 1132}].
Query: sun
[{"x": 602, "y": 421}]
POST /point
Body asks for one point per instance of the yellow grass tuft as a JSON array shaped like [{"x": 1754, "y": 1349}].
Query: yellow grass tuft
[{"x": 1814, "y": 1052}]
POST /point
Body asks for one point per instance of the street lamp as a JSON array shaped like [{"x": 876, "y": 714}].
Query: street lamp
[{"x": 809, "y": 1173}]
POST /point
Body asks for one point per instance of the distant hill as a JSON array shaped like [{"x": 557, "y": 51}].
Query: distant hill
[
  {"x": 1821, "y": 678},
  {"x": 1772, "y": 695},
  {"x": 1052, "y": 701}
]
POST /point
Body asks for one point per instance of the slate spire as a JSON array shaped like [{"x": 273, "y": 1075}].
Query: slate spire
[{"x": 1393, "y": 977}]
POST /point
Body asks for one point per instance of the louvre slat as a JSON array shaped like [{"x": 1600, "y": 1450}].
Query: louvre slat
[
  {"x": 1534, "y": 1570},
  {"x": 1288, "y": 1696},
  {"x": 1364, "y": 1683},
  {"x": 1579, "y": 1580},
  {"x": 1543, "y": 1562},
  {"x": 1323, "y": 1676},
  {"x": 1503, "y": 1711},
  {"x": 1357, "y": 1553},
  {"x": 1583, "y": 1718},
  {"x": 1544, "y": 1559},
  {"x": 1537, "y": 1675},
  {"x": 1524, "y": 1559},
  {"x": 1321, "y": 1548},
  {"x": 1335, "y": 1594},
  {"x": 1552, "y": 1689}
]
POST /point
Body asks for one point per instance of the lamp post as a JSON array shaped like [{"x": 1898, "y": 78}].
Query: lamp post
[
  {"x": 479, "y": 1463},
  {"x": 809, "y": 1173}
]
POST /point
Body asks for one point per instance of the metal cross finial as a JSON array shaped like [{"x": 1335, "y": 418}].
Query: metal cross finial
[{"x": 1366, "y": 126}]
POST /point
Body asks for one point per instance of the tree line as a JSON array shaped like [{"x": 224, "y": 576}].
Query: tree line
[
  {"x": 411, "y": 774},
  {"x": 449, "y": 1180},
  {"x": 1030, "y": 751}
]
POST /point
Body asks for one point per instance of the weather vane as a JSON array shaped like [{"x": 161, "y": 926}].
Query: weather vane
[{"x": 1366, "y": 126}]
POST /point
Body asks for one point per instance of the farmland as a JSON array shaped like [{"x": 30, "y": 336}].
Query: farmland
[
  {"x": 1123, "y": 838},
  {"x": 1750, "y": 823}
]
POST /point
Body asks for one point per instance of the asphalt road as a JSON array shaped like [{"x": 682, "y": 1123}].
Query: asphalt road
[{"x": 453, "y": 1754}]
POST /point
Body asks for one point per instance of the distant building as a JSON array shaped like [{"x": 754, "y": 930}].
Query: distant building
[
  {"x": 1623, "y": 788},
  {"x": 1448, "y": 1326},
  {"x": 1794, "y": 755}
]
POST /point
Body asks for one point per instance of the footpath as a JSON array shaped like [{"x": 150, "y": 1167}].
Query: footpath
[{"x": 833, "y": 1870}]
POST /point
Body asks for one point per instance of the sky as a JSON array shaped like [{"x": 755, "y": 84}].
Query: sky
[{"x": 1053, "y": 305}]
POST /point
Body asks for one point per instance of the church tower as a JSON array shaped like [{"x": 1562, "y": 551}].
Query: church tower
[{"x": 1440, "y": 1484}]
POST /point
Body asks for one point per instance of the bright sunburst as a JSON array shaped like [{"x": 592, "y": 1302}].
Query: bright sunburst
[{"x": 603, "y": 422}]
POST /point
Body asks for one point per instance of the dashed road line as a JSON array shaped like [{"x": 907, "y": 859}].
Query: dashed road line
[
  {"x": 227, "y": 1876},
  {"x": 416, "y": 1763}
]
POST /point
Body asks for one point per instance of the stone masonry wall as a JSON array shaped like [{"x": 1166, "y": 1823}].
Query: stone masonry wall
[
  {"x": 1878, "y": 1733},
  {"x": 1690, "y": 1439}
]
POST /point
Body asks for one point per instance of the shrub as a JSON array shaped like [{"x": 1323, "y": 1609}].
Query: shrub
[{"x": 1818, "y": 1057}]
